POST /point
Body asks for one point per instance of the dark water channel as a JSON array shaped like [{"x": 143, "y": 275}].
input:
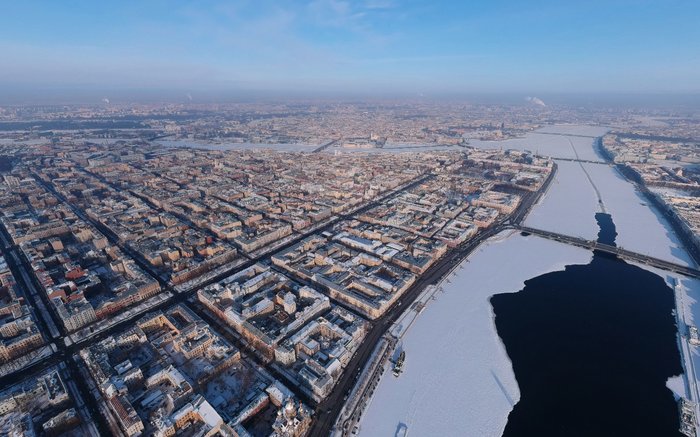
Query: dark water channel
[{"x": 592, "y": 347}]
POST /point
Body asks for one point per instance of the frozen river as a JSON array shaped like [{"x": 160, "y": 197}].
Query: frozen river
[
  {"x": 579, "y": 366},
  {"x": 552, "y": 141},
  {"x": 569, "y": 205},
  {"x": 458, "y": 378}
]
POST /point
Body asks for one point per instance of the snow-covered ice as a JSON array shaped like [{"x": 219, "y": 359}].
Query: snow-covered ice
[
  {"x": 571, "y": 202},
  {"x": 547, "y": 144},
  {"x": 575, "y": 129},
  {"x": 568, "y": 206},
  {"x": 458, "y": 379},
  {"x": 640, "y": 227}
]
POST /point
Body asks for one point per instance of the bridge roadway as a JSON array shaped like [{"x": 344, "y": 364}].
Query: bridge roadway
[
  {"x": 587, "y": 161},
  {"x": 566, "y": 135},
  {"x": 613, "y": 250},
  {"x": 325, "y": 146}
]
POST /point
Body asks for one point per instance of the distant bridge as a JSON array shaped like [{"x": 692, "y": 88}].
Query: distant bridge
[
  {"x": 159, "y": 137},
  {"x": 622, "y": 253},
  {"x": 566, "y": 135},
  {"x": 587, "y": 161},
  {"x": 325, "y": 146}
]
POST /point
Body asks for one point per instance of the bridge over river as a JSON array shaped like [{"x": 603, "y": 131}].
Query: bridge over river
[{"x": 614, "y": 250}]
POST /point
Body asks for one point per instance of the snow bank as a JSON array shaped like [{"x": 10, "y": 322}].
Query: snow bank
[{"x": 458, "y": 379}]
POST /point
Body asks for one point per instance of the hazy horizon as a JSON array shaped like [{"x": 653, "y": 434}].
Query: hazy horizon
[
  {"x": 82, "y": 51},
  {"x": 104, "y": 97}
]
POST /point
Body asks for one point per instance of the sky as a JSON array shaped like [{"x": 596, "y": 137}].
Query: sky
[{"x": 354, "y": 46}]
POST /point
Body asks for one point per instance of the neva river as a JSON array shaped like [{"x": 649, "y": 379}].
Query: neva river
[
  {"x": 592, "y": 348},
  {"x": 461, "y": 378}
]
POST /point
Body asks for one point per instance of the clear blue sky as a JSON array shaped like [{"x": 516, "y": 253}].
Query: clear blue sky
[{"x": 359, "y": 45}]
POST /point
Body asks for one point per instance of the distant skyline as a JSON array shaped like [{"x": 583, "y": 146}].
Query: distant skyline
[{"x": 350, "y": 47}]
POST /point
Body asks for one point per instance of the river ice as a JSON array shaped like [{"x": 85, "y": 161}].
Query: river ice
[{"x": 458, "y": 379}]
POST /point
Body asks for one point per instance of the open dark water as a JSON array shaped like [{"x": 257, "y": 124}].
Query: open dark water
[{"x": 592, "y": 347}]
